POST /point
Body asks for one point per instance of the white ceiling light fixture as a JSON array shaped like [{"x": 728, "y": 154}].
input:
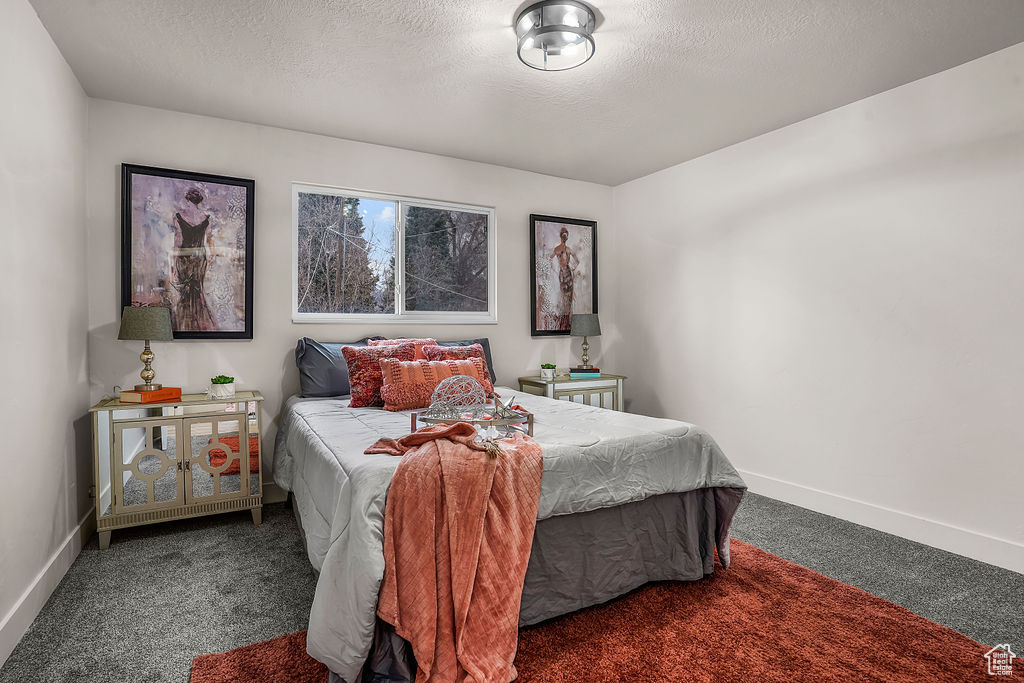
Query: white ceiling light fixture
[{"x": 555, "y": 35}]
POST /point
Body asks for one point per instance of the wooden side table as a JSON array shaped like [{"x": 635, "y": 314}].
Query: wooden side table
[
  {"x": 603, "y": 392},
  {"x": 156, "y": 462}
]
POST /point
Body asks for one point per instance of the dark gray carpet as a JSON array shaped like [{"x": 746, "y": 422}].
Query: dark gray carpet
[
  {"x": 163, "y": 594},
  {"x": 974, "y": 598}
]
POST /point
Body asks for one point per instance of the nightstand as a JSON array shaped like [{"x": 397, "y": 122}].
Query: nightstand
[
  {"x": 603, "y": 392},
  {"x": 154, "y": 462}
]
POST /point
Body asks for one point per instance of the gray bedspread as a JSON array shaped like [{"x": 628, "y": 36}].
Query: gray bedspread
[{"x": 593, "y": 459}]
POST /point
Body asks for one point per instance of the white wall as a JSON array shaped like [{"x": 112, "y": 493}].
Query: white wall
[
  {"x": 275, "y": 158},
  {"x": 45, "y": 455},
  {"x": 840, "y": 303}
]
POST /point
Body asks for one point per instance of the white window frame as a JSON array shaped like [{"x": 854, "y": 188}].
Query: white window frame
[{"x": 490, "y": 317}]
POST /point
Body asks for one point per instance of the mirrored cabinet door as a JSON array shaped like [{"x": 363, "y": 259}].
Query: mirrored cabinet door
[
  {"x": 222, "y": 455},
  {"x": 146, "y": 464}
]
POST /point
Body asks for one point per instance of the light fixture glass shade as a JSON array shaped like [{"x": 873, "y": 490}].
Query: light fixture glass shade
[{"x": 555, "y": 35}]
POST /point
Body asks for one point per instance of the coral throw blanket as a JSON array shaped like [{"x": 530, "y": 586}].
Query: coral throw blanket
[{"x": 458, "y": 526}]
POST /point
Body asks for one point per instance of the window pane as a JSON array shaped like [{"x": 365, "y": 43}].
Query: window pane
[
  {"x": 346, "y": 254},
  {"x": 445, "y": 260}
]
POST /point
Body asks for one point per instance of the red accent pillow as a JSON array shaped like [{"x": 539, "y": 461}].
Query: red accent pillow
[
  {"x": 218, "y": 457},
  {"x": 410, "y": 384},
  {"x": 364, "y": 374},
  {"x": 420, "y": 343}
]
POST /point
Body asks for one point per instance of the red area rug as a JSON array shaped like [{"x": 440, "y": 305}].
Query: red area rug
[
  {"x": 218, "y": 456},
  {"x": 282, "y": 660},
  {"x": 764, "y": 619}
]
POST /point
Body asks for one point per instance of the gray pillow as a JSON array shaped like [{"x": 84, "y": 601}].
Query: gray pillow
[
  {"x": 322, "y": 368},
  {"x": 469, "y": 342}
]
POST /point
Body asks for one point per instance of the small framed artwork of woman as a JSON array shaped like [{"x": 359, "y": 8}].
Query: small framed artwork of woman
[
  {"x": 186, "y": 244},
  {"x": 563, "y": 275}
]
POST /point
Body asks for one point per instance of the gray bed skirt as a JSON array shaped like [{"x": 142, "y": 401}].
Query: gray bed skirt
[{"x": 588, "y": 558}]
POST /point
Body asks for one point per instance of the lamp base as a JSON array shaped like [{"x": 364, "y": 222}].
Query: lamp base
[{"x": 148, "y": 387}]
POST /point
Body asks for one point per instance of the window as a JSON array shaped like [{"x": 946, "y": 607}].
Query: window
[{"x": 373, "y": 257}]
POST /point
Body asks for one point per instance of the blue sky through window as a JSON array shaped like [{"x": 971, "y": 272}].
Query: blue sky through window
[{"x": 379, "y": 231}]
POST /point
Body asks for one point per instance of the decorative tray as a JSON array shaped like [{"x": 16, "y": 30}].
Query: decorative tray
[{"x": 499, "y": 416}]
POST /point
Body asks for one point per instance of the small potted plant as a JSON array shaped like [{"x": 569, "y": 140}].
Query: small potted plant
[
  {"x": 222, "y": 386},
  {"x": 547, "y": 371}
]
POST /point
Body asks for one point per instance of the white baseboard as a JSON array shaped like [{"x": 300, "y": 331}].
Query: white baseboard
[
  {"x": 997, "y": 551},
  {"x": 16, "y": 622}
]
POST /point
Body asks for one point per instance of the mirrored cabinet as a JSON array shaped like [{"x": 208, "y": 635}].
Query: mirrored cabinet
[
  {"x": 603, "y": 392},
  {"x": 156, "y": 462}
]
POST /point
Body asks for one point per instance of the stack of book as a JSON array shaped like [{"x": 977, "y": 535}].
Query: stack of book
[{"x": 584, "y": 373}]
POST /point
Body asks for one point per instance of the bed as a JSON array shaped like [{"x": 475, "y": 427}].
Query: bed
[{"x": 625, "y": 499}]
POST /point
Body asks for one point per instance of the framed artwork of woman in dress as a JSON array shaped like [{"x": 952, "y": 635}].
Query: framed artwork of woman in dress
[
  {"x": 563, "y": 275},
  {"x": 186, "y": 243}
]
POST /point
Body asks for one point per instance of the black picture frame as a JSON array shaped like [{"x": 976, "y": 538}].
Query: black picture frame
[
  {"x": 128, "y": 172},
  {"x": 535, "y": 324}
]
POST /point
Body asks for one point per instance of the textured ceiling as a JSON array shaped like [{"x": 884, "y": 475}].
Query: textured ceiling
[{"x": 671, "y": 79}]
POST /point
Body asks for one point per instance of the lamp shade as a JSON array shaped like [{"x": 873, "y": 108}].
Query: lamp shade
[
  {"x": 585, "y": 325},
  {"x": 146, "y": 323}
]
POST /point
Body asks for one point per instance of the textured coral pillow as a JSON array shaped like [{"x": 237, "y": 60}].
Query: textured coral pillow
[
  {"x": 364, "y": 372},
  {"x": 420, "y": 343},
  {"x": 410, "y": 384},
  {"x": 436, "y": 352}
]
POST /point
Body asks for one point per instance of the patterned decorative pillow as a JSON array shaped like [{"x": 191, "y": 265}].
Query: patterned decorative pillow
[
  {"x": 364, "y": 373},
  {"x": 436, "y": 352},
  {"x": 410, "y": 384},
  {"x": 482, "y": 341},
  {"x": 420, "y": 343}
]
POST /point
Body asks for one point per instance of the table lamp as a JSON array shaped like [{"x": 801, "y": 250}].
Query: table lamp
[
  {"x": 146, "y": 323},
  {"x": 585, "y": 325}
]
